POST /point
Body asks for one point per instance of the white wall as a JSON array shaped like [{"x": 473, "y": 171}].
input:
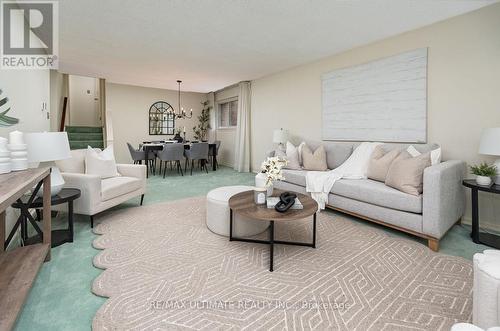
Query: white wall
[
  {"x": 84, "y": 101},
  {"x": 130, "y": 114},
  {"x": 27, "y": 90},
  {"x": 463, "y": 87},
  {"x": 227, "y": 136}
]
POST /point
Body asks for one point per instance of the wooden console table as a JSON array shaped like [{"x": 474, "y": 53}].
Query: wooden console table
[{"x": 19, "y": 267}]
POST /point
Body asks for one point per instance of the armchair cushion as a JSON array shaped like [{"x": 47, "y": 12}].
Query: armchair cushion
[
  {"x": 132, "y": 170},
  {"x": 75, "y": 164},
  {"x": 116, "y": 186}
]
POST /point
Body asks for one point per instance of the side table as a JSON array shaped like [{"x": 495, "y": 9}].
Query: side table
[
  {"x": 477, "y": 236},
  {"x": 59, "y": 237}
]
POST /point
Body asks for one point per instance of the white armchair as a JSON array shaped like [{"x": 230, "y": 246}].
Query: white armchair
[{"x": 101, "y": 194}]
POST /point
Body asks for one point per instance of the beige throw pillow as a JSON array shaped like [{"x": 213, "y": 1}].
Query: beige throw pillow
[
  {"x": 380, "y": 162},
  {"x": 314, "y": 161},
  {"x": 406, "y": 173}
]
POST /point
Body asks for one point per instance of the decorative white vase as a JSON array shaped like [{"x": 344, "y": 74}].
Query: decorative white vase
[
  {"x": 483, "y": 180},
  {"x": 260, "y": 181}
]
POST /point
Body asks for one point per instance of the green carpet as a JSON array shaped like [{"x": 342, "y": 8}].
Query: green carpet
[{"x": 61, "y": 298}]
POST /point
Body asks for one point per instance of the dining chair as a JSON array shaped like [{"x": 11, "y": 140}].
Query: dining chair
[
  {"x": 171, "y": 153},
  {"x": 197, "y": 152},
  {"x": 214, "y": 152},
  {"x": 137, "y": 155}
]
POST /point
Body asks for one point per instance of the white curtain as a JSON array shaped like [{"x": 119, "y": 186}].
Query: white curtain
[{"x": 242, "y": 146}]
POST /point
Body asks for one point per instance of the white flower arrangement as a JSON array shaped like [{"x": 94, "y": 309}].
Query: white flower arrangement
[{"x": 272, "y": 168}]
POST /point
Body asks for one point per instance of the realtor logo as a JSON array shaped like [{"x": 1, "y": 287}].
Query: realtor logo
[{"x": 29, "y": 35}]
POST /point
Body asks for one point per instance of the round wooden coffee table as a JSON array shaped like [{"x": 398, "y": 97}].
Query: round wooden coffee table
[{"x": 243, "y": 204}]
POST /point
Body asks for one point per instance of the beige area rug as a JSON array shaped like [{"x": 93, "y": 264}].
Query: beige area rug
[{"x": 166, "y": 270}]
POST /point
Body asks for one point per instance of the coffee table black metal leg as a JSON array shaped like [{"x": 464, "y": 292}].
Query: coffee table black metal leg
[
  {"x": 271, "y": 246},
  {"x": 230, "y": 224},
  {"x": 70, "y": 220},
  {"x": 314, "y": 231}
]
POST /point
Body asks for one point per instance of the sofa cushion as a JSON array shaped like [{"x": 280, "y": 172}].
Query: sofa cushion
[
  {"x": 314, "y": 160},
  {"x": 293, "y": 156},
  {"x": 297, "y": 177},
  {"x": 336, "y": 152},
  {"x": 406, "y": 173},
  {"x": 377, "y": 193},
  {"x": 116, "y": 186},
  {"x": 380, "y": 162}
]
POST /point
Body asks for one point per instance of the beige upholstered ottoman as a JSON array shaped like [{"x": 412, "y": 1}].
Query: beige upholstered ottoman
[{"x": 218, "y": 214}]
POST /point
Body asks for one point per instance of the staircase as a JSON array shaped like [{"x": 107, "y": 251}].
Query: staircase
[{"x": 82, "y": 136}]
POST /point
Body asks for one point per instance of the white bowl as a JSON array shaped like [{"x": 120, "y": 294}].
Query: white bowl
[
  {"x": 5, "y": 168},
  {"x": 19, "y": 155},
  {"x": 19, "y": 164},
  {"x": 19, "y": 147}
]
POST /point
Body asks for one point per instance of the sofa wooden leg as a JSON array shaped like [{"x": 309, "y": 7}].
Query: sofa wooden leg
[
  {"x": 142, "y": 198},
  {"x": 433, "y": 244},
  {"x": 459, "y": 222},
  {"x": 91, "y": 221}
]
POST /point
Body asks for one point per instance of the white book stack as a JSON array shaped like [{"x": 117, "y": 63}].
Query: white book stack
[
  {"x": 4, "y": 157},
  {"x": 272, "y": 201},
  {"x": 18, "y": 151}
]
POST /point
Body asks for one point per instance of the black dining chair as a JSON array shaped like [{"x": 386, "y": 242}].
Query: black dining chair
[
  {"x": 171, "y": 153},
  {"x": 197, "y": 152}
]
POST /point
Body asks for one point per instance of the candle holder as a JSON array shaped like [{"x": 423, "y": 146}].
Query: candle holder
[{"x": 18, "y": 151}]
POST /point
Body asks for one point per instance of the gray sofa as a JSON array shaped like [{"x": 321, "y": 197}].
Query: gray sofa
[{"x": 429, "y": 215}]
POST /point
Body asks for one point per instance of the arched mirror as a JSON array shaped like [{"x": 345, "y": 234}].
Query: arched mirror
[{"x": 161, "y": 119}]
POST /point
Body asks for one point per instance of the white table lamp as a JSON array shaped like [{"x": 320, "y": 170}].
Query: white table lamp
[
  {"x": 47, "y": 147},
  {"x": 490, "y": 145},
  {"x": 280, "y": 137}
]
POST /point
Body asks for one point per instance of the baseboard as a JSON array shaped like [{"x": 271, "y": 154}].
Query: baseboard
[{"x": 493, "y": 226}]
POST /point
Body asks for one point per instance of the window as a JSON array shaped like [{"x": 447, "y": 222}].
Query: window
[{"x": 227, "y": 114}]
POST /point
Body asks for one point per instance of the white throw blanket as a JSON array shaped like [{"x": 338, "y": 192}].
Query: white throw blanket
[{"x": 319, "y": 183}]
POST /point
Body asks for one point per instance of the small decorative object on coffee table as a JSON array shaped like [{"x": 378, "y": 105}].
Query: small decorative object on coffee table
[
  {"x": 484, "y": 172},
  {"x": 270, "y": 171},
  {"x": 260, "y": 195},
  {"x": 243, "y": 204}
]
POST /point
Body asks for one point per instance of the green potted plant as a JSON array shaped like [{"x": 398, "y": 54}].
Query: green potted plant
[
  {"x": 201, "y": 130},
  {"x": 483, "y": 172}
]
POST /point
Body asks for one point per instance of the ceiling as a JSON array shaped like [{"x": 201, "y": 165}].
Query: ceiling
[{"x": 211, "y": 44}]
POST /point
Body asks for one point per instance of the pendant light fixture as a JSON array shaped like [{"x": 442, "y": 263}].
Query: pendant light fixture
[{"x": 180, "y": 113}]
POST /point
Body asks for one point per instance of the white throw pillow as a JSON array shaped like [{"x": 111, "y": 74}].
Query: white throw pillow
[
  {"x": 435, "y": 154},
  {"x": 101, "y": 163},
  {"x": 292, "y": 156}
]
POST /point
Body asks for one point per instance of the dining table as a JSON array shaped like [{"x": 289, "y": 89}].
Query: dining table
[{"x": 149, "y": 146}]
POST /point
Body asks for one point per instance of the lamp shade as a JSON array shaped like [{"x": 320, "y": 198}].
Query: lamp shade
[
  {"x": 490, "y": 142},
  {"x": 280, "y": 136},
  {"x": 47, "y": 146}
]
